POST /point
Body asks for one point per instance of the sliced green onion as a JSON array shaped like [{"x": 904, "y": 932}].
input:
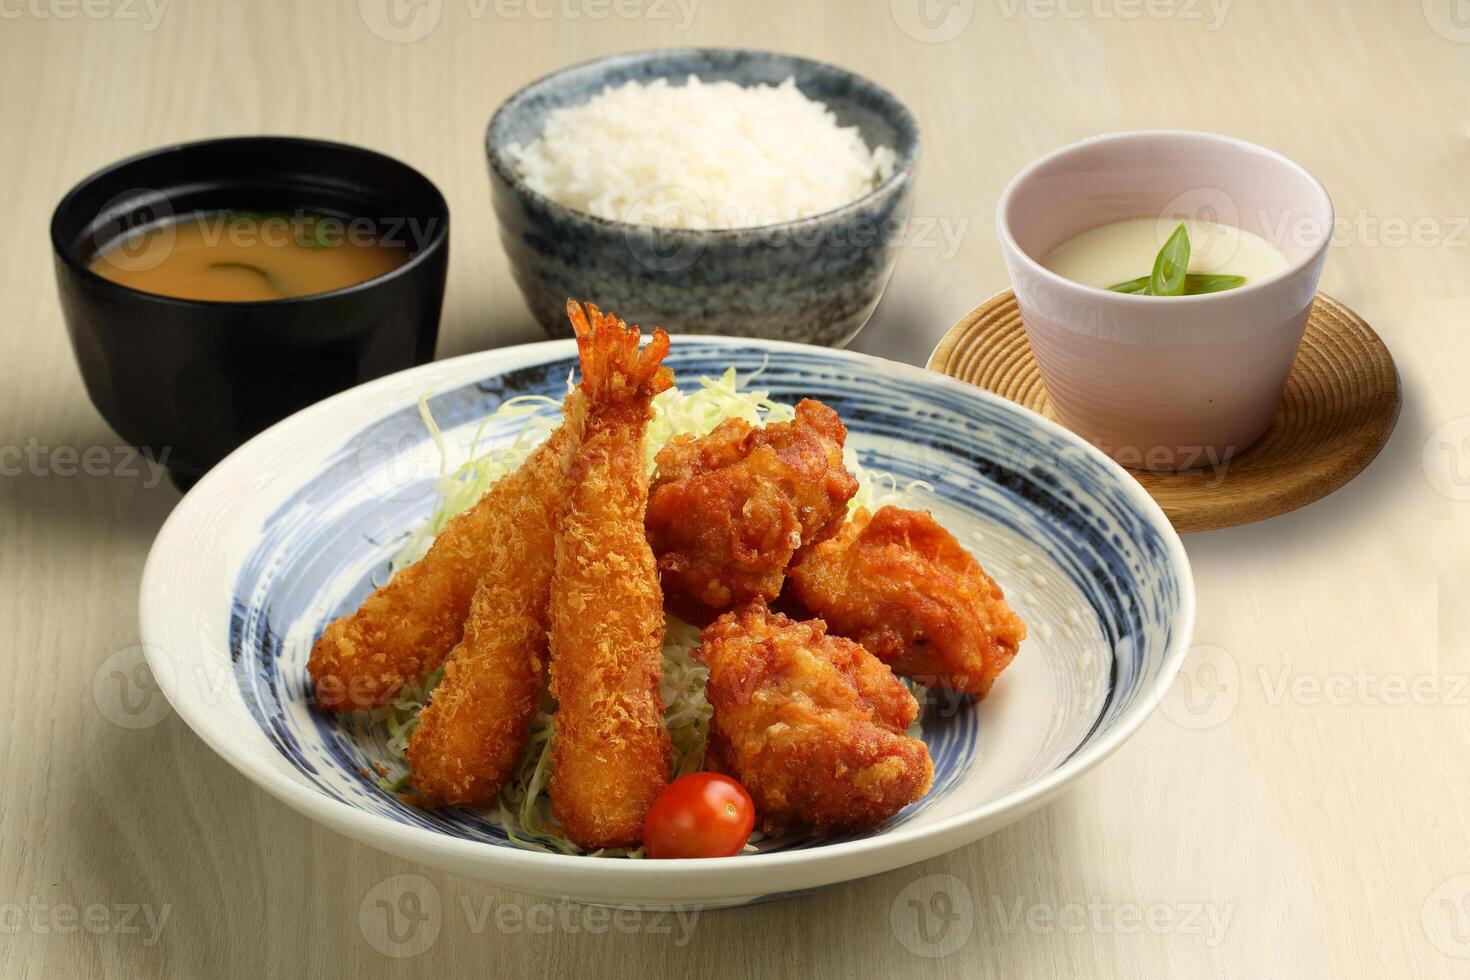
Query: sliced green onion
[
  {"x": 1171, "y": 265},
  {"x": 1139, "y": 285},
  {"x": 1195, "y": 284}
]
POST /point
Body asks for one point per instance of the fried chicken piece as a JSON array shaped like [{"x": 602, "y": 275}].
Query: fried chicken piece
[
  {"x": 611, "y": 752},
  {"x": 473, "y": 733},
  {"x": 902, "y": 586},
  {"x": 811, "y": 724},
  {"x": 730, "y": 511},
  {"x": 403, "y": 630}
]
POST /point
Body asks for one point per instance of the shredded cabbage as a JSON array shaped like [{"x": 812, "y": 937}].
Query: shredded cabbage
[{"x": 523, "y": 809}]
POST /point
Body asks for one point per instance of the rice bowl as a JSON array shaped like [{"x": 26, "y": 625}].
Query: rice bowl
[{"x": 815, "y": 280}]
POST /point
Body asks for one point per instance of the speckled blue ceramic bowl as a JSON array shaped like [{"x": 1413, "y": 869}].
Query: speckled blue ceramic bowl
[
  {"x": 295, "y": 527},
  {"x": 816, "y": 280}
]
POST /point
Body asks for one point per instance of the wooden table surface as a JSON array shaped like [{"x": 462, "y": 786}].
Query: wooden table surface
[{"x": 1298, "y": 809}]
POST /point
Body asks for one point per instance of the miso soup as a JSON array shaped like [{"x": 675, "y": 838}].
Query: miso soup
[{"x": 248, "y": 256}]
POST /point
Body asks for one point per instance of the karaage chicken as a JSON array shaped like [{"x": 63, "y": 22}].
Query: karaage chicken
[
  {"x": 729, "y": 512},
  {"x": 811, "y": 724},
  {"x": 902, "y": 586}
]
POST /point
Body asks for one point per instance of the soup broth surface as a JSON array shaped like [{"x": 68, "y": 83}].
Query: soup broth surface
[{"x": 247, "y": 257}]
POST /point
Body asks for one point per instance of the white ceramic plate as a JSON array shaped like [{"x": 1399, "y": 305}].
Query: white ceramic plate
[{"x": 292, "y": 530}]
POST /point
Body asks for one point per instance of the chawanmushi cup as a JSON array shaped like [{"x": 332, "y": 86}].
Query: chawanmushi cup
[{"x": 1176, "y": 382}]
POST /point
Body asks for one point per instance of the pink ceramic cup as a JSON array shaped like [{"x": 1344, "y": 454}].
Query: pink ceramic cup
[{"x": 1178, "y": 382}]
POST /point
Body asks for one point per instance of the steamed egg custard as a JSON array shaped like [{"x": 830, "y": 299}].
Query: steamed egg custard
[{"x": 1122, "y": 251}]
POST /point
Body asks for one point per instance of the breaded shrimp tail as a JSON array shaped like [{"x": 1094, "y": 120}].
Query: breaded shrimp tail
[
  {"x": 611, "y": 752},
  {"x": 403, "y": 630},
  {"x": 473, "y": 734},
  {"x": 613, "y": 369}
]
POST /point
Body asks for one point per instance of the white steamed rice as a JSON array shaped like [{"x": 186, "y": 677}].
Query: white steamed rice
[{"x": 700, "y": 155}]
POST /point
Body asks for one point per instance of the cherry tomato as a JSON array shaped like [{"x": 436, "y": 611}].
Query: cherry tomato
[{"x": 702, "y": 815}]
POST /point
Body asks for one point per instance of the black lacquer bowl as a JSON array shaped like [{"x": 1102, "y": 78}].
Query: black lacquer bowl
[{"x": 189, "y": 380}]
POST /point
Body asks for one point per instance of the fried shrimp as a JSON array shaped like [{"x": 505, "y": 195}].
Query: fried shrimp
[
  {"x": 404, "y": 629},
  {"x": 610, "y": 751},
  {"x": 730, "y": 511},
  {"x": 812, "y": 725},
  {"x": 902, "y": 586},
  {"x": 473, "y": 733}
]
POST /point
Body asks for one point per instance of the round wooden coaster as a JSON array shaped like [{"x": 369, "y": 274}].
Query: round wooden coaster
[{"x": 1341, "y": 402}]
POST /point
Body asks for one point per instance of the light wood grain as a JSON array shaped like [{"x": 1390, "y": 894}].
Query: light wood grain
[{"x": 1324, "y": 822}]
